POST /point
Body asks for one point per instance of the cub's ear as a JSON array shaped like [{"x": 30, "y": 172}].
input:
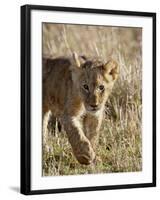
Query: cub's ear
[
  {"x": 75, "y": 67},
  {"x": 111, "y": 70},
  {"x": 78, "y": 60}
]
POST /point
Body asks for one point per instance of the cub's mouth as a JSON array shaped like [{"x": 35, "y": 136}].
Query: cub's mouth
[{"x": 93, "y": 109}]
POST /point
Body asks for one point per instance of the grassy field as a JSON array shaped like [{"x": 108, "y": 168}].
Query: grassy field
[{"x": 120, "y": 144}]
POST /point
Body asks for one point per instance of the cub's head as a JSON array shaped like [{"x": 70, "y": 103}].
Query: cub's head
[{"x": 94, "y": 80}]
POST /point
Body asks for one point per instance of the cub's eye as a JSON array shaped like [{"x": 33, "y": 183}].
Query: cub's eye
[
  {"x": 86, "y": 87},
  {"x": 101, "y": 87}
]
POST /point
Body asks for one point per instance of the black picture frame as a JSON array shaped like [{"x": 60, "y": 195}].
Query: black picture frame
[{"x": 26, "y": 98}]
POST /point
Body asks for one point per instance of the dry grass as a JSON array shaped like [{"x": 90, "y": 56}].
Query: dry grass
[{"x": 120, "y": 144}]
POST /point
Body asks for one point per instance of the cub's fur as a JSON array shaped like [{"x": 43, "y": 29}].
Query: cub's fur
[{"x": 75, "y": 90}]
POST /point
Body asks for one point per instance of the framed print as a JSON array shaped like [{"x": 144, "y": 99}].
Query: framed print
[{"x": 88, "y": 99}]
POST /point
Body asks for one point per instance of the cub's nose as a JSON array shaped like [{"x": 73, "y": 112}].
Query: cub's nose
[{"x": 94, "y": 106}]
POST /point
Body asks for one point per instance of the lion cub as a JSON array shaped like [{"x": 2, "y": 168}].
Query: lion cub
[{"x": 75, "y": 90}]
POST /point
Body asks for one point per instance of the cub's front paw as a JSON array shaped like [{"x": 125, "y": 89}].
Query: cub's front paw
[
  {"x": 85, "y": 154},
  {"x": 83, "y": 159}
]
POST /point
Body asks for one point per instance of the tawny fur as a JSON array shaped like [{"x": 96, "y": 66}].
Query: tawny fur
[{"x": 75, "y": 90}]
